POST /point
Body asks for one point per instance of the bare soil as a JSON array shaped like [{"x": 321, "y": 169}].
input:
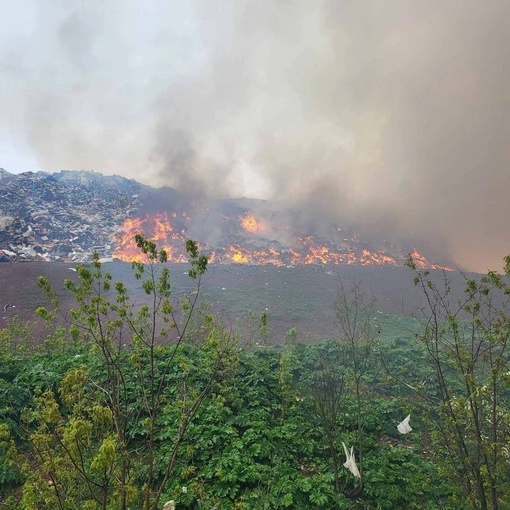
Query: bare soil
[{"x": 300, "y": 297}]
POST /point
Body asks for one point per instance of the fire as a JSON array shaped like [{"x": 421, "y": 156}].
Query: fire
[
  {"x": 156, "y": 228},
  {"x": 250, "y": 224},
  {"x": 295, "y": 257},
  {"x": 322, "y": 255},
  {"x": 237, "y": 255},
  {"x": 342, "y": 247},
  {"x": 369, "y": 258},
  {"x": 422, "y": 263}
]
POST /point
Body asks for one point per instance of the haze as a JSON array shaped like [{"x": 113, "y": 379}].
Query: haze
[{"x": 391, "y": 116}]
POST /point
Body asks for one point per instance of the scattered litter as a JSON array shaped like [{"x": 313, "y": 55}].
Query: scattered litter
[
  {"x": 403, "y": 427},
  {"x": 350, "y": 461}
]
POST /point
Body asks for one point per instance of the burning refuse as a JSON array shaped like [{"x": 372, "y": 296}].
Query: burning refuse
[
  {"x": 250, "y": 224},
  {"x": 155, "y": 227},
  {"x": 242, "y": 241},
  {"x": 68, "y": 216}
]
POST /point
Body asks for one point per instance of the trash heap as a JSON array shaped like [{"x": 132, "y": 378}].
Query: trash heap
[
  {"x": 64, "y": 216},
  {"x": 70, "y": 215}
]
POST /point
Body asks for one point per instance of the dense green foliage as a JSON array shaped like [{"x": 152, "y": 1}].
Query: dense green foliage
[
  {"x": 256, "y": 443},
  {"x": 136, "y": 405}
]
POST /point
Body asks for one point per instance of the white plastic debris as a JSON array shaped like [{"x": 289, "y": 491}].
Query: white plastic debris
[
  {"x": 403, "y": 427},
  {"x": 350, "y": 461}
]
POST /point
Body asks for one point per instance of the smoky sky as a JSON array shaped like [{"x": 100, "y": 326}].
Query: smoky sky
[{"x": 393, "y": 115}]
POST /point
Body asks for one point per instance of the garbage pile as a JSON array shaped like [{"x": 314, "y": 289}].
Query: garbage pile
[
  {"x": 64, "y": 216},
  {"x": 70, "y": 215}
]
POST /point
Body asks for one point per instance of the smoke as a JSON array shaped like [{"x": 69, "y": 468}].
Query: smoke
[{"x": 388, "y": 116}]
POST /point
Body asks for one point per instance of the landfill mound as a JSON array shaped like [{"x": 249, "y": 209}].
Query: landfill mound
[
  {"x": 70, "y": 215},
  {"x": 64, "y": 216}
]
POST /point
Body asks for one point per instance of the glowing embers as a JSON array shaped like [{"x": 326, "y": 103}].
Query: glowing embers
[{"x": 156, "y": 228}]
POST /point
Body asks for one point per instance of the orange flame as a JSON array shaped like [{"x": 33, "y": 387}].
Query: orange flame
[
  {"x": 422, "y": 263},
  {"x": 155, "y": 228},
  {"x": 369, "y": 258},
  {"x": 304, "y": 250},
  {"x": 250, "y": 224},
  {"x": 237, "y": 255}
]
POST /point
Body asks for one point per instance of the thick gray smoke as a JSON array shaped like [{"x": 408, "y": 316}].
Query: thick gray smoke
[{"x": 392, "y": 116}]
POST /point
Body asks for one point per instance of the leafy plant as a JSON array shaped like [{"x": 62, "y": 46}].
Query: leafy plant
[
  {"x": 97, "y": 438},
  {"x": 467, "y": 344}
]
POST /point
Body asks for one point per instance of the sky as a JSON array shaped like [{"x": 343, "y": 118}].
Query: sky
[{"x": 392, "y": 116}]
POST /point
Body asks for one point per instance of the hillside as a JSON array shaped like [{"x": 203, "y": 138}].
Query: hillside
[
  {"x": 67, "y": 216},
  {"x": 297, "y": 297},
  {"x": 262, "y": 258}
]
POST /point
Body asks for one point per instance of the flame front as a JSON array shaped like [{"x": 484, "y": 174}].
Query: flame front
[
  {"x": 422, "y": 263},
  {"x": 156, "y": 228},
  {"x": 343, "y": 247}
]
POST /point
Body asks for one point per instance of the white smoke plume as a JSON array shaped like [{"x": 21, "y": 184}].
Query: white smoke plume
[{"x": 392, "y": 116}]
